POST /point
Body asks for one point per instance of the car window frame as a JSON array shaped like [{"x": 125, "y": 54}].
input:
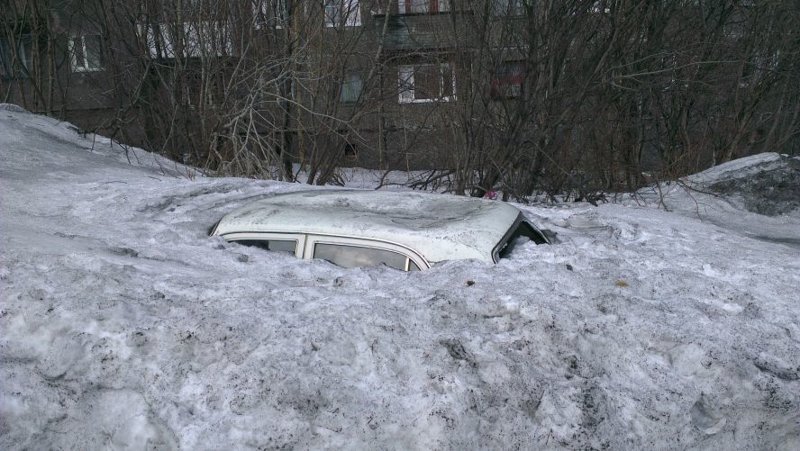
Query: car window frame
[
  {"x": 305, "y": 244},
  {"x": 513, "y": 228},
  {"x": 300, "y": 238},
  {"x": 409, "y": 254}
]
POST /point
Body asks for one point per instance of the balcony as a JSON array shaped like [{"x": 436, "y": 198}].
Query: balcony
[{"x": 418, "y": 31}]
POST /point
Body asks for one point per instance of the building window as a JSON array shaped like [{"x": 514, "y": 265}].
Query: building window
[
  {"x": 507, "y": 80},
  {"x": 6, "y": 59},
  {"x": 426, "y": 83},
  {"x": 157, "y": 39},
  {"x": 600, "y": 6},
  {"x": 196, "y": 39},
  {"x": 86, "y": 52},
  {"x": 198, "y": 90},
  {"x": 206, "y": 39},
  {"x": 342, "y": 13},
  {"x": 15, "y": 60},
  {"x": 351, "y": 88},
  {"x": 422, "y": 6},
  {"x": 509, "y": 7},
  {"x": 270, "y": 13},
  {"x": 350, "y": 151}
]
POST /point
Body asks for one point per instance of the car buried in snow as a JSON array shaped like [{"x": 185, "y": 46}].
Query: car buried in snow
[{"x": 409, "y": 231}]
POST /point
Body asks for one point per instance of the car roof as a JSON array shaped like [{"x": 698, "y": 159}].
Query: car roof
[{"x": 437, "y": 226}]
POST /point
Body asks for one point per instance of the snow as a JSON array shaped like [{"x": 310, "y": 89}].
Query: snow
[
  {"x": 733, "y": 194},
  {"x": 738, "y": 168},
  {"x": 123, "y": 325}
]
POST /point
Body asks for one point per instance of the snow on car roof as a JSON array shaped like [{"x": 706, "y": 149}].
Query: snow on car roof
[{"x": 439, "y": 227}]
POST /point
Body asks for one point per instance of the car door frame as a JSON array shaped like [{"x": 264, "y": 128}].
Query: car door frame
[
  {"x": 410, "y": 254},
  {"x": 300, "y": 238}
]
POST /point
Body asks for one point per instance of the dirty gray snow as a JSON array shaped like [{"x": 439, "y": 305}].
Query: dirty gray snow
[{"x": 669, "y": 320}]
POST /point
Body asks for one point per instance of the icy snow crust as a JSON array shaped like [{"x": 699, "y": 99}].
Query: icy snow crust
[
  {"x": 123, "y": 325},
  {"x": 733, "y": 194},
  {"x": 438, "y": 227}
]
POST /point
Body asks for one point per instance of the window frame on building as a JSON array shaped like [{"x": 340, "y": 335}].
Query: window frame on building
[
  {"x": 6, "y": 60},
  {"x": 204, "y": 38},
  {"x": 508, "y": 80},
  {"x": 15, "y": 64},
  {"x": 508, "y": 8},
  {"x": 270, "y": 14},
  {"x": 341, "y": 13},
  {"x": 423, "y": 6},
  {"x": 408, "y": 85},
  {"x": 351, "y": 88},
  {"x": 79, "y": 53}
]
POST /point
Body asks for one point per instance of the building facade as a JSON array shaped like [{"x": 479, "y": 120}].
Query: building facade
[
  {"x": 372, "y": 83},
  {"x": 504, "y": 93}
]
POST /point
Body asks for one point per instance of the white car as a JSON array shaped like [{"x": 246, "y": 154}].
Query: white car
[{"x": 404, "y": 230}]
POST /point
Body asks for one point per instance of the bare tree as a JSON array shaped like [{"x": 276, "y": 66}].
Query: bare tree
[{"x": 576, "y": 97}]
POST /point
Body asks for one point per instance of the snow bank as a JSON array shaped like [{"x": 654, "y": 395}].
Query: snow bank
[
  {"x": 125, "y": 326},
  {"x": 757, "y": 197},
  {"x": 768, "y": 184}
]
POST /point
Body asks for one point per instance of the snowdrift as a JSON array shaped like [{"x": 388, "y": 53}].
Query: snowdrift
[{"x": 123, "y": 325}]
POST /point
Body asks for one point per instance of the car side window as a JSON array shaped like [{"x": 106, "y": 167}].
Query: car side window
[
  {"x": 355, "y": 256},
  {"x": 272, "y": 245}
]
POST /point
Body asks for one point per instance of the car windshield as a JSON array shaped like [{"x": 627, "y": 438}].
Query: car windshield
[{"x": 523, "y": 233}]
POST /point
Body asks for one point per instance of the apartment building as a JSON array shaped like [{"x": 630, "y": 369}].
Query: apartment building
[
  {"x": 373, "y": 83},
  {"x": 52, "y": 62},
  {"x": 514, "y": 91}
]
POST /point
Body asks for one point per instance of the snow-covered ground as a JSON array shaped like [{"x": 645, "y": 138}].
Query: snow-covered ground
[{"x": 123, "y": 325}]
